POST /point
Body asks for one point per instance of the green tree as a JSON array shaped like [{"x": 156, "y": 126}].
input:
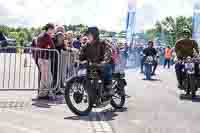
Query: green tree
[
  {"x": 170, "y": 29},
  {"x": 151, "y": 34}
]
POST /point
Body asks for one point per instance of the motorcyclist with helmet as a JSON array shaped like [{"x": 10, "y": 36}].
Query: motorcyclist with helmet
[
  {"x": 184, "y": 48},
  {"x": 99, "y": 52}
]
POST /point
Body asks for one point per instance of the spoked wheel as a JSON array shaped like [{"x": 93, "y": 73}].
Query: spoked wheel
[
  {"x": 119, "y": 98},
  {"x": 78, "y": 98}
]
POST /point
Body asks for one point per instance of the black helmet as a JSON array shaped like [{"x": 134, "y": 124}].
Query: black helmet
[
  {"x": 94, "y": 31},
  {"x": 150, "y": 42}
]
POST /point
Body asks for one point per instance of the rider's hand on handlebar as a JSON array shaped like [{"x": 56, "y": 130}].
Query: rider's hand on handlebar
[
  {"x": 77, "y": 63},
  {"x": 97, "y": 64}
]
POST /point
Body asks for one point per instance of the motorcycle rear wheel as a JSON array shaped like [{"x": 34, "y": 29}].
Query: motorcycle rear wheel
[
  {"x": 148, "y": 71},
  {"x": 120, "y": 91}
]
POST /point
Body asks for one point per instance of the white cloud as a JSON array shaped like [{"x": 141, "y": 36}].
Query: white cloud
[
  {"x": 107, "y": 14},
  {"x": 154, "y": 10}
]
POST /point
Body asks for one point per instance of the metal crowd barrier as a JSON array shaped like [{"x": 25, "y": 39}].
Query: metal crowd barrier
[
  {"x": 68, "y": 70},
  {"x": 20, "y": 68},
  {"x": 25, "y": 68}
]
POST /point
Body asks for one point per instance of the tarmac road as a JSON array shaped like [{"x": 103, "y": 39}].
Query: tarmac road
[{"x": 152, "y": 107}]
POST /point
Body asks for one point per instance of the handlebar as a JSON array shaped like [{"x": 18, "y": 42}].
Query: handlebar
[
  {"x": 78, "y": 63},
  {"x": 189, "y": 60}
]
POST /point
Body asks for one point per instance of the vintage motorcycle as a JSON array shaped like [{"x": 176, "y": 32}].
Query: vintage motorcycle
[
  {"x": 148, "y": 64},
  {"x": 191, "y": 75},
  {"x": 86, "y": 90}
]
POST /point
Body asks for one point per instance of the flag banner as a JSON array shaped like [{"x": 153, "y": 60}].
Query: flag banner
[
  {"x": 196, "y": 22},
  {"x": 130, "y": 22}
]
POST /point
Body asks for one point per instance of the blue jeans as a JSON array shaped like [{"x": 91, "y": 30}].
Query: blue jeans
[{"x": 107, "y": 72}]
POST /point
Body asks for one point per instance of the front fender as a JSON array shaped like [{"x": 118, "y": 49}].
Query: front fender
[{"x": 74, "y": 79}]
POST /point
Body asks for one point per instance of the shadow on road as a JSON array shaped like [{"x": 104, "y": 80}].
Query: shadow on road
[
  {"x": 104, "y": 115},
  {"x": 154, "y": 80},
  {"x": 190, "y": 98},
  {"x": 48, "y": 103},
  {"x": 115, "y": 110}
]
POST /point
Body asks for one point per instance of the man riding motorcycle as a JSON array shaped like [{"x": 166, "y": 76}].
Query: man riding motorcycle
[
  {"x": 184, "y": 48},
  {"x": 150, "y": 51},
  {"x": 98, "y": 52}
]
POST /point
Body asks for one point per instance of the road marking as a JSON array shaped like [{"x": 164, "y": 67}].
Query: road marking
[
  {"x": 137, "y": 122},
  {"x": 100, "y": 124},
  {"x": 34, "y": 116},
  {"x": 20, "y": 128}
]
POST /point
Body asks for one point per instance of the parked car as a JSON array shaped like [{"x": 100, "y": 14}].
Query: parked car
[{"x": 5, "y": 41}]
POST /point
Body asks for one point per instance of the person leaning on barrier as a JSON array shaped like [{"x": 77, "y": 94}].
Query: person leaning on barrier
[
  {"x": 99, "y": 52},
  {"x": 59, "y": 41},
  {"x": 45, "y": 41},
  {"x": 184, "y": 48},
  {"x": 59, "y": 46}
]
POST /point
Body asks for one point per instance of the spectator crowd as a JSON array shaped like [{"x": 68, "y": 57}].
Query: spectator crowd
[{"x": 55, "y": 38}]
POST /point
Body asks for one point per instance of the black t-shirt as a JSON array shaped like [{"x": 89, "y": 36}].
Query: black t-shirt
[{"x": 150, "y": 51}]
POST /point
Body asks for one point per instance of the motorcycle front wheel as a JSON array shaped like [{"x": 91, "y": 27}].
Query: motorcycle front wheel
[
  {"x": 76, "y": 93},
  {"x": 119, "y": 98},
  {"x": 186, "y": 86}
]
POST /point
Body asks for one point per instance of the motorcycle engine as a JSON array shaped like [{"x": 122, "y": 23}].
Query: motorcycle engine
[
  {"x": 149, "y": 60},
  {"x": 190, "y": 66}
]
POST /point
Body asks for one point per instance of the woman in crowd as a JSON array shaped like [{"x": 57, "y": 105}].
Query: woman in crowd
[
  {"x": 68, "y": 39},
  {"x": 45, "y": 41}
]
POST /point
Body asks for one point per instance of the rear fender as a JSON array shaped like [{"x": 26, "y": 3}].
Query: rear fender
[{"x": 124, "y": 82}]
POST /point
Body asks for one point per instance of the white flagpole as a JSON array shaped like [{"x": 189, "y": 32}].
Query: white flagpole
[{"x": 196, "y": 21}]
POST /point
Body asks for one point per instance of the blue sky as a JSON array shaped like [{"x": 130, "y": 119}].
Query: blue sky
[{"x": 107, "y": 14}]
